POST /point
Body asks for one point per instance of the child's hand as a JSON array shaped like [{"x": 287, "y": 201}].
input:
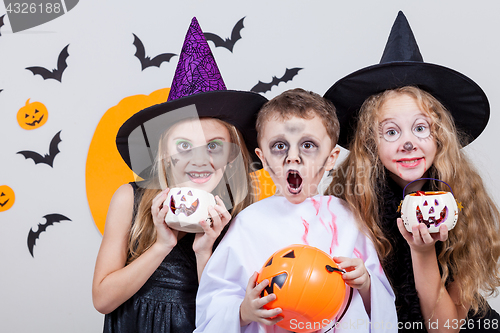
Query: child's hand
[
  {"x": 251, "y": 309},
  {"x": 356, "y": 275},
  {"x": 420, "y": 240},
  {"x": 164, "y": 235},
  {"x": 204, "y": 242}
]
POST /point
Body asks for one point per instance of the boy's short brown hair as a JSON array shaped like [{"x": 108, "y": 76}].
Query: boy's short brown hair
[{"x": 303, "y": 104}]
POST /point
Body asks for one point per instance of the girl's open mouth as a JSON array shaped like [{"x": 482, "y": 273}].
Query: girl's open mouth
[{"x": 294, "y": 182}]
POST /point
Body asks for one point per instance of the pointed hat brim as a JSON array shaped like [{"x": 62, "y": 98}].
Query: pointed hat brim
[
  {"x": 461, "y": 96},
  {"x": 137, "y": 139}
]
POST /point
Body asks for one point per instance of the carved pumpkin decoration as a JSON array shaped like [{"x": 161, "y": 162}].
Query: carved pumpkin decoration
[
  {"x": 308, "y": 286},
  {"x": 32, "y": 115},
  {"x": 433, "y": 208},
  {"x": 187, "y": 207},
  {"x": 7, "y": 198}
]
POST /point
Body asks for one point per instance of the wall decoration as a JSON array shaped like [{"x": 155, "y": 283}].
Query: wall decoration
[
  {"x": 7, "y": 198},
  {"x": 262, "y": 87},
  {"x": 147, "y": 61},
  {"x": 47, "y": 158},
  {"x": 56, "y": 73},
  {"x": 1, "y": 22},
  {"x": 33, "y": 235},
  {"x": 32, "y": 115},
  {"x": 102, "y": 182},
  {"x": 228, "y": 43}
]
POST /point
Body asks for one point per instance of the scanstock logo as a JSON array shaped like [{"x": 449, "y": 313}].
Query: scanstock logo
[{"x": 24, "y": 14}]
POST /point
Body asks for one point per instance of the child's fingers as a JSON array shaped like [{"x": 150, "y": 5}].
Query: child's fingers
[
  {"x": 406, "y": 234},
  {"x": 443, "y": 233},
  {"x": 270, "y": 317}
]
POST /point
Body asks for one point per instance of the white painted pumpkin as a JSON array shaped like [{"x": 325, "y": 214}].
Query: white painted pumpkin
[
  {"x": 432, "y": 208},
  {"x": 187, "y": 207}
]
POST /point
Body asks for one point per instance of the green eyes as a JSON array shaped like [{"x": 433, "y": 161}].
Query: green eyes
[{"x": 212, "y": 146}]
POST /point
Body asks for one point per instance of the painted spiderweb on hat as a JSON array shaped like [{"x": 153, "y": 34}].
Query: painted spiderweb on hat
[{"x": 197, "y": 70}]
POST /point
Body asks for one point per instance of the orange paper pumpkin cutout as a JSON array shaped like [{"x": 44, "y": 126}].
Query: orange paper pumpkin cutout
[
  {"x": 32, "y": 115},
  {"x": 308, "y": 286},
  {"x": 7, "y": 198},
  {"x": 105, "y": 170}
]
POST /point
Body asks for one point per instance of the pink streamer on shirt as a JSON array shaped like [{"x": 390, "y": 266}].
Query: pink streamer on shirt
[
  {"x": 357, "y": 254},
  {"x": 333, "y": 226},
  {"x": 306, "y": 227},
  {"x": 316, "y": 204}
]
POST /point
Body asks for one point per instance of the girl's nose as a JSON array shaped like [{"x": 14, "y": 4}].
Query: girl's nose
[{"x": 408, "y": 146}]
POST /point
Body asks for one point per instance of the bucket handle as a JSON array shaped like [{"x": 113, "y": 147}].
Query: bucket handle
[{"x": 404, "y": 190}]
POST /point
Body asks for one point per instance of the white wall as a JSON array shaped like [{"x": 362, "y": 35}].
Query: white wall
[{"x": 51, "y": 292}]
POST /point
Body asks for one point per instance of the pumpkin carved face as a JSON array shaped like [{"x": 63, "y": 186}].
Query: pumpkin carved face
[
  {"x": 7, "y": 198},
  {"x": 308, "y": 286},
  {"x": 432, "y": 208},
  {"x": 32, "y": 115},
  {"x": 187, "y": 207}
]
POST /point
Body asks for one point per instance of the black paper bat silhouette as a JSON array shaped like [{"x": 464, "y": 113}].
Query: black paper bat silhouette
[
  {"x": 264, "y": 87},
  {"x": 1, "y": 22},
  {"x": 51, "y": 219},
  {"x": 229, "y": 42},
  {"x": 147, "y": 61},
  {"x": 48, "y": 158},
  {"x": 55, "y": 74}
]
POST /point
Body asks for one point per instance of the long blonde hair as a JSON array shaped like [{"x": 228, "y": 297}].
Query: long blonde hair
[
  {"x": 143, "y": 231},
  {"x": 470, "y": 254}
]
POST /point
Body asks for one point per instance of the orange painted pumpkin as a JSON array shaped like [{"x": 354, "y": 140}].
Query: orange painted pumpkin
[
  {"x": 7, "y": 198},
  {"x": 308, "y": 286},
  {"x": 32, "y": 115}
]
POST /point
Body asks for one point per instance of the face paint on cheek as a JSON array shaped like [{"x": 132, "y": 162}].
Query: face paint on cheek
[
  {"x": 269, "y": 167},
  {"x": 174, "y": 161}
]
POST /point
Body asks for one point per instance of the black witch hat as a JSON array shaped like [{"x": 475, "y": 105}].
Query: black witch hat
[{"x": 402, "y": 65}]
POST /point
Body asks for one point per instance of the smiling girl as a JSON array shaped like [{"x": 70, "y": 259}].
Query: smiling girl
[
  {"x": 146, "y": 274},
  {"x": 398, "y": 130}
]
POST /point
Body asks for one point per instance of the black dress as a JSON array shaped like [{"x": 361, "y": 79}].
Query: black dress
[
  {"x": 399, "y": 271},
  {"x": 166, "y": 302}
]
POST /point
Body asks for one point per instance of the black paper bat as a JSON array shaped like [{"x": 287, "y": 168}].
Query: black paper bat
[
  {"x": 229, "y": 42},
  {"x": 48, "y": 158},
  {"x": 264, "y": 87},
  {"x": 55, "y": 74},
  {"x": 147, "y": 61},
  {"x": 1, "y": 22},
  {"x": 51, "y": 219}
]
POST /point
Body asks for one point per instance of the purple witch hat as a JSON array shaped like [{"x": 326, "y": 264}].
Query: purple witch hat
[
  {"x": 197, "y": 91},
  {"x": 197, "y": 70}
]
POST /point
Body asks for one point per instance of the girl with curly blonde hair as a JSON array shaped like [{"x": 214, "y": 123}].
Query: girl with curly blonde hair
[{"x": 402, "y": 132}]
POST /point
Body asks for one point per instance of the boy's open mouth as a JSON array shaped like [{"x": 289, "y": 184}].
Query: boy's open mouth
[{"x": 294, "y": 181}]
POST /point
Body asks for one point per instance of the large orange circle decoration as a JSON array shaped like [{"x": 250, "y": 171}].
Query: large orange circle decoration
[
  {"x": 308, "y": 285},
  {"x": 32, "y": 115},
  {"x": 7, "y": 198},
  {"x": 105, "y": 170}
]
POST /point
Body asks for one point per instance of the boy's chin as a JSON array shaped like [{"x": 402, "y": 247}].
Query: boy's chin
[{"x": 296, "y": 198}]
